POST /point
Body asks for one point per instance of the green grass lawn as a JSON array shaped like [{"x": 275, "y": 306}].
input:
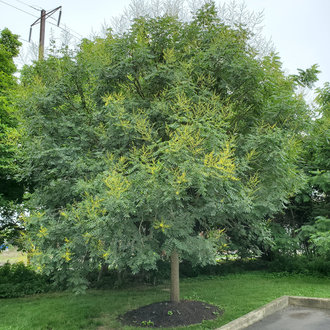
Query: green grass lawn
[{"x": 237, "y": 294}]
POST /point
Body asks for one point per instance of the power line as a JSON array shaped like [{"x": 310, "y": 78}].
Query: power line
[
  {"x": 45, "y": 15},
  {"x": 22, "y": 10},
  {"x": 67, "y": 29},
  {"x": 26, "y": 4},
  {"x": 8, "y": 4},
  {"x": 22, "y": 39}
]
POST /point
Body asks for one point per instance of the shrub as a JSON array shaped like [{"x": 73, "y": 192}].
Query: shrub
[
  {"x": 18, "y": 280},
  {"x": 300, "y": 265}
]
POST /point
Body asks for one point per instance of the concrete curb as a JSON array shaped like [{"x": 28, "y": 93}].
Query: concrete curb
[
  {"x": 323, "y": 303},
  {"x": 274, "y": 306}
]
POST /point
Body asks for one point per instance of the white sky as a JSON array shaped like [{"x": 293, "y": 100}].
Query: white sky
[{"x": 300, "y": 29}]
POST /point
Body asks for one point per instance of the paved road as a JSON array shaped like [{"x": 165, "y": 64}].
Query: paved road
[{"x": 295, "y": 318}]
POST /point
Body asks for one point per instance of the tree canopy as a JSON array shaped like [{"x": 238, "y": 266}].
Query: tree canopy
[
  {"x": 306, "y": 221},
  {"x": 10, "y": 189},
  {"x": 157, "y": 142}
]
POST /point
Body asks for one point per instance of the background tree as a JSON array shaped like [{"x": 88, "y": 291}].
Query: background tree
[
  {"x": 10, "y": 189},
  {"x": 145, "y": 144},
  {"x": 304, "y": 224}
]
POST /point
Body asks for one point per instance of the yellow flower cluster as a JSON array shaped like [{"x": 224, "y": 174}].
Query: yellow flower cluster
[
  {"x": 222, "y": 163},
  {"x": 117, "y": 184},
  {"x": 67, "y": 255},
  {"x": 43, "y": 232},
  {"x": 143, "y": 127},
  {"x": 187, "y": 138},
  {"x": 112, "y": 98},
  {"x": 181, "y": 178},
  {"x": 161, "y": 225}
]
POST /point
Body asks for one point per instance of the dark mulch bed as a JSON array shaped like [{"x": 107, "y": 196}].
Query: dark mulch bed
[{"x": 168, "y": 314}]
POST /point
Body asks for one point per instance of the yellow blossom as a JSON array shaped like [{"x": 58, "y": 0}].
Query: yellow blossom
[
  {"x": 181, "y": 178},
  {"x": 161, "y": 225},
  {"x": 117, "y": 184},
  {"x": 43, "y": 232},
  {"x": 222, "y": 163},
  {"x": 67, "y": 255}
]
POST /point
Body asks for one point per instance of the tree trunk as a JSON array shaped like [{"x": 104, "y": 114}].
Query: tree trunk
[
  {"x": 102, "y": 271},
  {"x": 175, "y": 288}
]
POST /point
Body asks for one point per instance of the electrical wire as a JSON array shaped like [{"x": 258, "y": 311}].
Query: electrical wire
[
  {"x": 26, "y": 4},
  {"x": 8, "y": 4},
  {"x": 21, "y": 39},
  {"x": 67, "y": 28},
  {"x": 22, "y": 10}
]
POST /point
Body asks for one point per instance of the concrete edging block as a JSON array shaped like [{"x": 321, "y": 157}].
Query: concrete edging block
[
  {"x": 323, "y": 303},
  {"x": 257, "y": 314}
]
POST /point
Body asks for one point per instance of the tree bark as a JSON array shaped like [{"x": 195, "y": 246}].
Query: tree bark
[
  {"x": 102, "y": 271},
  {"x": 175, "y": 284}
]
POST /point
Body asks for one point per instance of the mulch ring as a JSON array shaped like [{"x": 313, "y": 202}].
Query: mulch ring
[{"x": 169, "y": 314}]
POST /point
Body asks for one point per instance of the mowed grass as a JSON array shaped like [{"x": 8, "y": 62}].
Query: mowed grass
[
  {"x": 237, "y": 294},
  {"x": 12, "y": 256}
]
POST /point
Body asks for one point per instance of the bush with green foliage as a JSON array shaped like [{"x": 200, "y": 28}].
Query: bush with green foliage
[
  {"x": 18, "y": 280},
  {"x": 318, "y": 236},
  {"x": 299, "y": 264}
]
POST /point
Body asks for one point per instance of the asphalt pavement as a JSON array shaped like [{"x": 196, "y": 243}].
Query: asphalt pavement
[{"x": 295, "y": 318}]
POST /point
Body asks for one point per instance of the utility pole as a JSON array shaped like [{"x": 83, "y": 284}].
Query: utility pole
[
  {"x": 42, "y": 34},
  {"x": 42, "y": 20}
]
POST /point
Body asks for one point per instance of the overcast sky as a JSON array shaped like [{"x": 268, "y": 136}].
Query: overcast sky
[{"x": 300, "y": 29}]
